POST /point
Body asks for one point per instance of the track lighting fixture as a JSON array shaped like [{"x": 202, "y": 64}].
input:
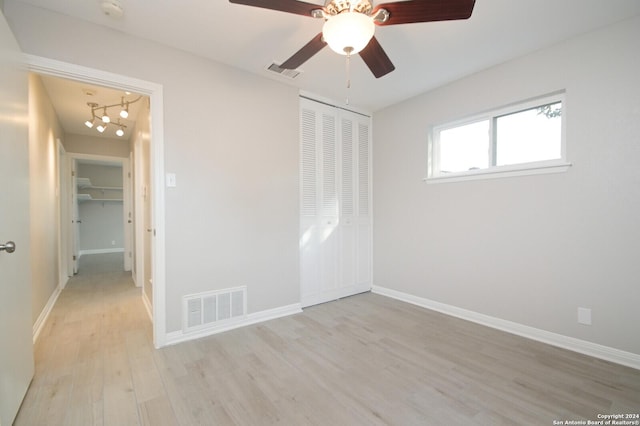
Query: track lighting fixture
[{"x": 103, "y": 115}]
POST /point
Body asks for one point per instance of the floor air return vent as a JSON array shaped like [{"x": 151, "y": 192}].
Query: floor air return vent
[{"x": 214, "y": 308}]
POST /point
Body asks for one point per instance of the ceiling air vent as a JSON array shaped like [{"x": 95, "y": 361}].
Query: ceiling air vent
[{"x": 282, "y": 71}]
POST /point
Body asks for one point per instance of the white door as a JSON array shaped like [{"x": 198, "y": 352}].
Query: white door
[
  {"x": 335, "y": 241},
  {"x": 127, "y": 209},
  {"x": 319, "y": 206},
  {"x": 148, "y": 235},
  {"x": 64, "y": 245},
  {"x": 75, "y": 221},
  {"x": 16, "y": 350}
]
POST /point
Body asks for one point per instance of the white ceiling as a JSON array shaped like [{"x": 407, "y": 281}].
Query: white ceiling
[
  {"x": 426, "y": 55},
  {"x": 70, "y": 98}
]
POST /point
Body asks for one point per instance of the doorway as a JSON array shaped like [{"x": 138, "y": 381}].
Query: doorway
[
  {"x": 155, "y": 191},
  {"x": 101, "y": 208}
]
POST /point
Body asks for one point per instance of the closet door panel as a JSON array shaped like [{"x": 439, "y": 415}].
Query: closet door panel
[
  {"x": 348, "y": 145},
  {"x": 328, "y": 220},
  {"x": 310, "y": 240},
  {"x": 363, "y": 205},
  {"x": 335, "y": 203}
]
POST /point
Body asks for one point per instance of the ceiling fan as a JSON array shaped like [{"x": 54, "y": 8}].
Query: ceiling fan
[{"x": 350, "y": 24}]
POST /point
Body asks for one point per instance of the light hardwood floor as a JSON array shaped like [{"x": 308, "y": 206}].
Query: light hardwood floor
[{"x": 362, "y": 360}]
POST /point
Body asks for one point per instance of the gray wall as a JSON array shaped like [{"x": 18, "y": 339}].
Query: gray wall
[
  {"x": 83, "y": 144},
  {"x": 525, "y": 249},
  {"x": 44, "y": 129},
  {"x": 231, "y": 138}
]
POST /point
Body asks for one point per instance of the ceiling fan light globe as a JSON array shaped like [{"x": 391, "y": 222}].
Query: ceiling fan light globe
[{"x": 348, "y": 32}]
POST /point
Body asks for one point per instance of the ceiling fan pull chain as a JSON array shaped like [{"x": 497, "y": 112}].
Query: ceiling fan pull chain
[{"x": 348, "y": 70}]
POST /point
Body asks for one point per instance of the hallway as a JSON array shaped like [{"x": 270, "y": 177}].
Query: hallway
[{"x": 94, "y": 356}]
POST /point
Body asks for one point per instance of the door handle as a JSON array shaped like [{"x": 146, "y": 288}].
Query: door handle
[{"x": 9, "y": 247}]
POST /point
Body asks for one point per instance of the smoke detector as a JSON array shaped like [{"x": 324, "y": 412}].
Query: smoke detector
[{"x": 112, "y": 8}]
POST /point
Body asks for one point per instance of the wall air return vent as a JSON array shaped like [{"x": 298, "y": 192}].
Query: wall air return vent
[
  {"x": 214, "y": 308},
  {"x": 282, "y": 71}
]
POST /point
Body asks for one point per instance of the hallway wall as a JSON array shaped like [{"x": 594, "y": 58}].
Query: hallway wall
[{"x": 44, "y": 129}]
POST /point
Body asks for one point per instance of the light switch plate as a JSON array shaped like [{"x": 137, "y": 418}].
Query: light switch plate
[{"x": 171, "y": 180}]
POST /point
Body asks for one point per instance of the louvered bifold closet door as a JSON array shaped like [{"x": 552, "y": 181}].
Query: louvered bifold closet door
[
  {"x": 348, "y": 181},
  {"x": 309, "y": 235},
  {"x": 364, "y": 231},
  {"x": 334, "y": 255},
  {"x": 319, "y": 202}
]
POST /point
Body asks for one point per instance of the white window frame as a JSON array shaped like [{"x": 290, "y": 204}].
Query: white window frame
[{"x": 538, "y": 167}]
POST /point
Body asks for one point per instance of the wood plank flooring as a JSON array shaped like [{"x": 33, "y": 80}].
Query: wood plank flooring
[{"x": 363, "y": 360}]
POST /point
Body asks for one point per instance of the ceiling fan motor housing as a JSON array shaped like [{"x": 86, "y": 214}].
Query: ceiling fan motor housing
[{"x": 334, "y": 7}]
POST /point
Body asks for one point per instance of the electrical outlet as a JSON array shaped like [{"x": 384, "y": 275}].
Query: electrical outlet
[
  {"x": 113, "y": 242},
  {"x": 584, "y": 316}
]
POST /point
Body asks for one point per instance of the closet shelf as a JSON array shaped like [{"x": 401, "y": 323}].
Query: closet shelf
[
  {"x": 85, "y": 183},
  {"x": 88, "y": 197}
]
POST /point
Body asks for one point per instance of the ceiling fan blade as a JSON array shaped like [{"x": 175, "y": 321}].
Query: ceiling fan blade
[
  {"x": 376, "y": 59},
  {"x": 408, "y": 12},
  {"x": 303, "y": 55},
  {"x": 289, "y": 6}
]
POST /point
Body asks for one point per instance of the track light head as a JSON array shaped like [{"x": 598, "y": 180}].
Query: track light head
[{"x": 105, "y": 117}]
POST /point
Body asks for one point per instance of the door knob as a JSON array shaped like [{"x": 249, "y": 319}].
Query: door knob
[{"x": 9, "y": 247}]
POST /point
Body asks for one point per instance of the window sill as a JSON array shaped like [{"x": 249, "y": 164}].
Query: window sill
[{"x": 501, "y": 172}]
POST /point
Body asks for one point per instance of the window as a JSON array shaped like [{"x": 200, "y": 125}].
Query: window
[{"x": 526, "y": 138}]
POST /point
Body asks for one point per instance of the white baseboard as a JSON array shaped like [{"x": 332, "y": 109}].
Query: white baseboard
[
  {"x": 179, "y": 336},
  {"x": 101, "y": 251},
  {"x": 42, "y": 318},
  {"x": 595, "y": 350}
]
